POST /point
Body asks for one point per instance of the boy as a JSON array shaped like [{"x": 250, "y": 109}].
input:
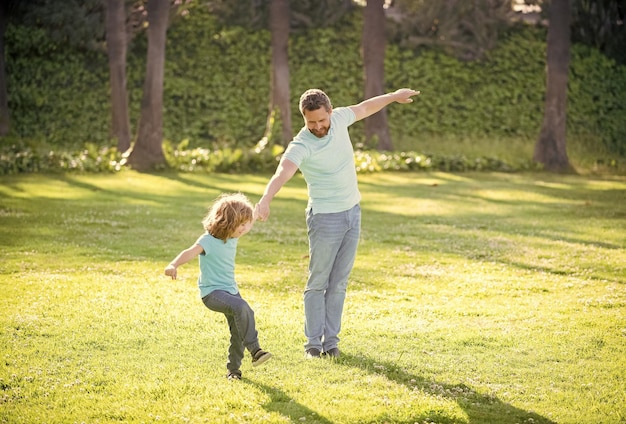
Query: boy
[{"x": 230, "y": 217}]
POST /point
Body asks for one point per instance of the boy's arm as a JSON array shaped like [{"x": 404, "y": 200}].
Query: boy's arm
[
  {"x": 182, "y": 258},
  {"x": 371, "y": 106}
]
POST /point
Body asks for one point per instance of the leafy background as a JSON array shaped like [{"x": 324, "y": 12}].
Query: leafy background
[{"x": 217, "y": 85}]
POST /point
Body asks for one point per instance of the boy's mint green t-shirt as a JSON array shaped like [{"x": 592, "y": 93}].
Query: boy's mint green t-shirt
[
  {"x": 327, "y": 164},
  {"x": 217, "y": 265}
]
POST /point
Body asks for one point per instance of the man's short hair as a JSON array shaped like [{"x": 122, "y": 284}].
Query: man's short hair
[{"x": 314, "y": 99}]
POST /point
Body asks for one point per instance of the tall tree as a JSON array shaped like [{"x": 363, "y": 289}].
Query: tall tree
[
  {"x": 374, "y": 44},
  {"x": 116, "y": 48},
  {"x": 147, "y": 152},
  {"x": 550, "y": 149},
  {"x": 279, "y": 79}
]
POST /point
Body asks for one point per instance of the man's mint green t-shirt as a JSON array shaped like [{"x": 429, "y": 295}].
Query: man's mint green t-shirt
[
  {"x": 327, "y": 164},
  {"x": 217, "y": 265}
]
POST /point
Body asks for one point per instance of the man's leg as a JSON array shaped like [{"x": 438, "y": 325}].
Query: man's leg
[
  {"x": 338, "y": 280},
  {"x": 326, "y": 239}
]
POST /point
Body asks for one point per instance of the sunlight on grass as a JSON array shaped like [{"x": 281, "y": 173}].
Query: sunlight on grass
[{"x": 475, "y": 298}]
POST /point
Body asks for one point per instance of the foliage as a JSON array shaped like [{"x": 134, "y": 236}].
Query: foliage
[
  {"x": 374, "y": 161},
  {"x": 23, "y": 158},
  {"x": 55, "y": 94},
  {"x": 596, "y": 98},
  {"x": 304, "y": 13},
  {"x": 600, "y": 25},
  {"x": 317, "y": 64},
  {"x": 475, "y": 298},
  {"x": 78, "y": 23},
  {"x": 217, "y": 85},
  {"x": 503, "y": 95},
  {"x": 466, "y": 30},
  {"x": 258, "y": 159}
]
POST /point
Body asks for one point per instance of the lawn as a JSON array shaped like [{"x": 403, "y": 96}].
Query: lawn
[{"x": 475, "y": 298}]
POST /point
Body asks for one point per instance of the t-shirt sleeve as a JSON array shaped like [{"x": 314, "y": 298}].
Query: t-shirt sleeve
[
  {"x": 345, "y": 116},
  {"x": 296, "y": 152},
  {"x": 204, "y": 243}
]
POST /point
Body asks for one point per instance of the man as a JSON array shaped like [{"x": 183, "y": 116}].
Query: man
[{"x": 323, "y": 152}]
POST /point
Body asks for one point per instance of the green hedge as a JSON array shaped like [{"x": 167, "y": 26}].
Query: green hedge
[
  {"x": 217, "y": 86},
  {"x": 20, "y": 158},
  {"x": 55, "y": 94}
]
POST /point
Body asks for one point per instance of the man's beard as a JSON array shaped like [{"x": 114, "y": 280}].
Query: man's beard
[{"x": 321, "y": 132}]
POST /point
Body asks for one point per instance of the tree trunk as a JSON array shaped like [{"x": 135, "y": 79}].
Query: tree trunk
[
  {"x": 116, "y": 48},
  {"x": 4, "y": 98},
  {"x": 374, "y": 45},
  {"x": 147, "y": 153},
  {"x": 279, "y": 79},
  {"x": 550, "y": 149}
]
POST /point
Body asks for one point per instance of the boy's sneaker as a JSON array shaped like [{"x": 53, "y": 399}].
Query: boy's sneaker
[
  {"x": 312, "y": 352},
  {"x": 259, "y": 357},
  {"x": 234, "y": 375},
  {"x": 332, "y": 353}
]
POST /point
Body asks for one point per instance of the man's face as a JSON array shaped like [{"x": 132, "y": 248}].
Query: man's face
[{"x": 317, "y": 121}]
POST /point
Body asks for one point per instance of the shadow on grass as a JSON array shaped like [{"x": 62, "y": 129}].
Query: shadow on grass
[
  {"x": 286, "y": 406},
  {"x": 480, "y": 408},
  {"x": 295, "y": 412}
]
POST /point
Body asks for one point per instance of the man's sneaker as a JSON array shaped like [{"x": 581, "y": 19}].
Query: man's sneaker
[
  {"x": 234, "y": 375},
  {"x": 259, "y": 357},
  {"x": 312, "y": 352},
  {"x": 332, "y": 353}
]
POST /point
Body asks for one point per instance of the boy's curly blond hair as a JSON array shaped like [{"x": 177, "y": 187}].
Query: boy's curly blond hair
[{"x": 228, "y": 212}]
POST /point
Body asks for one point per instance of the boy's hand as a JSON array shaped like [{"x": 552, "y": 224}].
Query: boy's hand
[{"x": 170, "y": 271}]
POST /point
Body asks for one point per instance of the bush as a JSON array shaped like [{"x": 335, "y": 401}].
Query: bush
[
  {"x": 19, "y": 158},
  {"x": 374, "y": 161},
  {"x": 261, "y": 158}
]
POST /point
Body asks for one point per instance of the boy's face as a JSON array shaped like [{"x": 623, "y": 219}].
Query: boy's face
[
  {"x": 242, "y": 229},
  {"x": 317, "y": 121}
]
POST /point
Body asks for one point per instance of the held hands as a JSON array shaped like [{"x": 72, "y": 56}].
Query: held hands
[
  {"x": 170, "y": 271},
  {"x": 403, "y": 95},
  {"x": 261, "y": 211}
]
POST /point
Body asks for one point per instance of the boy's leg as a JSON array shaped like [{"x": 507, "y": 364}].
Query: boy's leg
[
  {"x": 236, "y": 349},
  {"x": 237, "y": 309}
]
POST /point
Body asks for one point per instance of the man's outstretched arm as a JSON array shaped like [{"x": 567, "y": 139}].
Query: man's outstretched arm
[{"x": 371, "y": 106}]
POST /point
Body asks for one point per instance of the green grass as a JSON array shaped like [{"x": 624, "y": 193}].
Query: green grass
[{"x": 475, "y": 298}]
